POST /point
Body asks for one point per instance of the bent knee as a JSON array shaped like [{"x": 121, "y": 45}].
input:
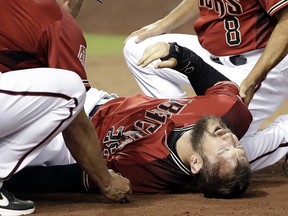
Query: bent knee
[
  {"x": 132, "y": 51},
  {"x": 73, "y": 86}
]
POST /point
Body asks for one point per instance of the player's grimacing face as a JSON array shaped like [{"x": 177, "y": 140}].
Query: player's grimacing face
[{"x": 219, "y": 144}]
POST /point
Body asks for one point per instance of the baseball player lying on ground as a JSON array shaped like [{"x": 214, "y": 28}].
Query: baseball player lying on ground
[{"x": 163, "y": 145}]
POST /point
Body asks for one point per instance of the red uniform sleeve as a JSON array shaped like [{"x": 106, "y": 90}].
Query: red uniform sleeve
[
  {"x": 226, "y": 97},
  {"x": 66, "y": 46},
  {"x": 273, "y": 6},
  {"x": 40, "y": 34}
]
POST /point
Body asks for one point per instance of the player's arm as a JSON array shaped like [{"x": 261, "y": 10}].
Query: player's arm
[
  {"x": 275, "y": 51},
  {"x": 65, "y": 46},
  {"x": 200, "y": 74},
  {"x": 185, "y": 11},
  {"x": 83, "y": 143}
]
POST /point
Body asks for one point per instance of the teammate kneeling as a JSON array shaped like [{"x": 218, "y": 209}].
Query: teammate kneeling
[{"x": 161, "y": 145}]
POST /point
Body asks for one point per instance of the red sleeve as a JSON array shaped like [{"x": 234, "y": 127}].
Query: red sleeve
[
  {"x": 236, "y": 115},
  {"x": 224, "y": 87},
  {"x": 65, "y": 45},
  {"x": 272, "y": 6}
]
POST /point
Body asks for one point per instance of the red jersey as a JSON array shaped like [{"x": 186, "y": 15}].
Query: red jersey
[
  {"x": 138, "y": 134},
  {"x": 38, "y": 33},
  {"x": 230, "y": 27}
]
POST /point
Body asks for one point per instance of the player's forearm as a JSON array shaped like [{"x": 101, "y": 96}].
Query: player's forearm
[
  {"x": 82, "y": 141},
  {"x": 275, "y": 51},
  {"x": 185, "y": 11},
  {"x": 200, "y": 74}
]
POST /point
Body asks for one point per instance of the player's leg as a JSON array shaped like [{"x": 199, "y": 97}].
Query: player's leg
[
  {"x": 161, "y": 83},
  {"x": 268, "y": 146},
  {"x": 36, "y": 105},
  {"x": 50, "y": 179},
  {"x": 267, "y": 99},
  {"x": 56, "y": 153}
]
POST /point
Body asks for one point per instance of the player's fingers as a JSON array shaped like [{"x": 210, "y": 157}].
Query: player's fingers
[
  {"x": 150, "y": 54},
  {"x": 126, "y": 197},
  {"x": 120, "y": 188},
  {"x": 141, "y": 37},
  {"x": 143, "y": 62},
  {"x": 144, "y": 35},
  {"x": 146, "y": 32},
  {"x": 141, "y": 34},
  {"x": 135, "y": 33},
  {"x": 150, "y": 58},
  {"x": 246, "y": 94},
  {"x": 112, "y": 172},
  {"x": 242, "y": 93},
  {"x": 154, "y": 52},
  {"x": 170, "y": 63},
  {"x": 248, "y": 98}
]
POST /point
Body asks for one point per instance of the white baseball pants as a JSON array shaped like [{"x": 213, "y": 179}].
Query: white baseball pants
[{"x": 36, "y": 105}]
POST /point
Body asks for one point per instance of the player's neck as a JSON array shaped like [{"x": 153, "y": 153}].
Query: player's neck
[{"x": 184, "y": 148}]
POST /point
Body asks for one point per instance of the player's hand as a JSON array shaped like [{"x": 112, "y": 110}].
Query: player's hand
[
  {"x": 247, "y": 90},
  {"x": 146, "y": 32},
  {"x": 119, "y": 189},
  {"x": 155, "y": 52}
]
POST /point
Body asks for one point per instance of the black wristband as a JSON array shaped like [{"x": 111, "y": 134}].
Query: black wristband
[{"x": 174, "y": 52}]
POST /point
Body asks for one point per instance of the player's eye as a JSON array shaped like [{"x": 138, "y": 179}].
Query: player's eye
[{"x": 221, "y": 151}]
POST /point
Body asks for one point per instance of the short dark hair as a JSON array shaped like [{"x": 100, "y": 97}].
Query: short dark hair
[{"x": 213, "y": 185}]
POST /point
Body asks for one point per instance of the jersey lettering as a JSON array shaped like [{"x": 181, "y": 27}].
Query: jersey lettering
[
  {"x": 82, "y": 55},
  {"x": 157, "y": 115},
  {"x": 228, "y": 10},
  {"x": 153, "y": 121},
  {"x": 233, "y": 35},
  {"x": 222, "y": 7},
  {"x": 147, "y": 127},
  {"x": 171, "y": 107},
  {"x": 113, "y": 134}
]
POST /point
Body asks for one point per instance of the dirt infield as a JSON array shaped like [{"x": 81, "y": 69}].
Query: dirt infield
[{"x": 268, "y": 192}]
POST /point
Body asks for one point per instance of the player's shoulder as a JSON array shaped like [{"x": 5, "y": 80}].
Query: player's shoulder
[
  {"x": 226, "y": 88},
  {"x": 273, "y": 6},
  {"x": 47, "y": 10}
]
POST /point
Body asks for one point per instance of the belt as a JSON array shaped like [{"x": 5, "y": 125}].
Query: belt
[{"x": 235, "y": 60}]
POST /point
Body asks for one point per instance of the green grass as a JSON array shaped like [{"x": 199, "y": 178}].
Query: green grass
[{"x": 104, "y": 45}]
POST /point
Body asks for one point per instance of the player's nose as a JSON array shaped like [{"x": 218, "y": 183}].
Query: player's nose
[{"x": 226, "y": 136}]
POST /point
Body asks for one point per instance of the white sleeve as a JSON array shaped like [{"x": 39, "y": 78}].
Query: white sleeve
[
  {"x": 96, "y": 97},
  {"x": 268, "y": 146}
]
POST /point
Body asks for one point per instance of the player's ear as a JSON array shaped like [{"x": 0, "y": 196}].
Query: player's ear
[{"x": 196, "y": 163}]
